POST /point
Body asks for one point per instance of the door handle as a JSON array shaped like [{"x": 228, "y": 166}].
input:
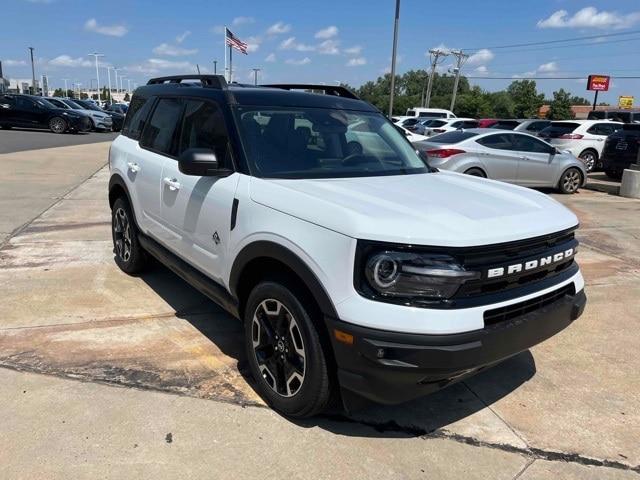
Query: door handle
[
  {"x": 134, "y": 167},
  {"x": 172, "y": 183}
]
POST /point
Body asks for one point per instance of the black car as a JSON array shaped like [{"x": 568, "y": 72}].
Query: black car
[
  {"x": 29, "y": 111},
  {"x": 117, "y": 107},
  {"x": 116, "y": 117},
  {"x": 621, "y": 150}
]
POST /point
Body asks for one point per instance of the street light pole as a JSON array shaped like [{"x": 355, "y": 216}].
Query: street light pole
[
  {"x": 255, "y": 75},
  {"x": 115, "y": 70},
  {"x": 96, "y": 55},
  {"x": 129, "y": 85},
  {"x": 215, "y": 67},
  {"x": 66, "y": 89},
  {"x": 393, "y": 57},
  {"x": 33, "y": 72},
  {"x": 109, "y": 81}
]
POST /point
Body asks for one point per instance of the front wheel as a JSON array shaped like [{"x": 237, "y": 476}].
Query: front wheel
[
  {"x": 57, "y": 125},
  {"x": 570, "y": 181},
  {"x": 284, "y": 352}
]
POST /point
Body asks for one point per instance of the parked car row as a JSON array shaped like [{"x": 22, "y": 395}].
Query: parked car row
[{"x": 59, "y": 115}]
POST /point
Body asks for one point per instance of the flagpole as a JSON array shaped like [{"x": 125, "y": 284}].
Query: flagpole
[
  {"x": 224, "y": 45},
  {"x": 230, "y": 64}
]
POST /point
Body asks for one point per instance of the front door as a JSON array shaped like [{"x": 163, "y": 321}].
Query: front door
[
  {"x": 197, "y": 210},
  {"x": 534, "y": 166}
]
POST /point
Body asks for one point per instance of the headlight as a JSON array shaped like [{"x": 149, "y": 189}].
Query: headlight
[{"x": 398, "y": 275}]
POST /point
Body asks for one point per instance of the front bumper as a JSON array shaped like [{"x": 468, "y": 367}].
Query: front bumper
[
  {"x": 79, "y": 124},
  {"x": 103, "y": 123},
  {"x": 390, "y": 367}
]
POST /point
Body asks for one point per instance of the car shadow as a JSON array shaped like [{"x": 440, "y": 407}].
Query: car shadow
[{"x": 416, "y": 418}]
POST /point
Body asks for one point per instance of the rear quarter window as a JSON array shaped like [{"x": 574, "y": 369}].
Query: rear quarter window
[{"x": 136, "y": 116}]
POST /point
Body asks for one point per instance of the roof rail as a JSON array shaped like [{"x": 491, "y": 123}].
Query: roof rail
[
  {"x": 213, "y": 81},
  {"x": 337, "y": 90}
]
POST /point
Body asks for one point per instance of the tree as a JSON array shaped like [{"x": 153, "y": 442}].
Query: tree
[
  {"x": 105, "y": 93},
  {"x": 503, "y": 104},
  {"x": 94, "y": 96},
  {"x": 527, "y": 101},
  {"x": 560, "y": 106},
  {"x": 575, "y": 100},
  {"x": 126, "y": 97},
  {"x": 474, "y": 104}
]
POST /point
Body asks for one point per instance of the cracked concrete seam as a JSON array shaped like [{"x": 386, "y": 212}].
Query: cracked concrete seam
[{"x": 532, "y": 453}]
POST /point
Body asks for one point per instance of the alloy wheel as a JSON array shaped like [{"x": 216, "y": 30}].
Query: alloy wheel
[
  {"x": 278, "y": 347},
  {"x": 589, "y": 160},
  {"x": 122, "y": 234},
  {"x": 57, "y": 125},
  {"x": 571, "y": 181}
]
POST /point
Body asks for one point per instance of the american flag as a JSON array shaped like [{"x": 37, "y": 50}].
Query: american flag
[{"x": 235, "y": 42}]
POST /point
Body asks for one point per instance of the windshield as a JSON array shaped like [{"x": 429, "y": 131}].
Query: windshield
[
  {"x": 45, "y": 103},
  {"x": 73, "y": 104},
  {"x": 90, "y": 106},
  {"x": 324, "y": 143}
]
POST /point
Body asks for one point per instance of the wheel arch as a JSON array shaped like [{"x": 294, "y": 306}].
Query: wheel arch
[
  {"x": 257, "y": 257},
  {"x": 117, "y": 189}
]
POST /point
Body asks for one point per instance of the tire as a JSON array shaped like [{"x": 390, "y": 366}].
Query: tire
[
  {"x": 476, "y": 172},
  {"x": 58, "y": 125},
  {"x": 277, "y": 324},
  {"x": 590, "y": 159},
  {"x": 570, "y": 181},
  {"x": 6, "y": 127},
  {"x": 129, "y": 255},
  {"x": 614, "y": 174}
]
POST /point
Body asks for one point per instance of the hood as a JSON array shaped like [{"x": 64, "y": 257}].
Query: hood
[{"x": 443, "y": 208}]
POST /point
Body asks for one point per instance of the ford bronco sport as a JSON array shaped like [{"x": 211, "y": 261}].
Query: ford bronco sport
[{"x": 355, "y": 268}]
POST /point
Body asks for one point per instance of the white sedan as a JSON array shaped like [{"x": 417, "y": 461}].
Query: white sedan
[{"x": 438, "y": 126}]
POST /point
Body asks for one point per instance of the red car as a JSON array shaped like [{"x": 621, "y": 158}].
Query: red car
[{"x": 487, "y": 122}]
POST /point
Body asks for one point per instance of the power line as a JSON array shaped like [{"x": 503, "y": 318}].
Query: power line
[
  {"x": 583, "y": 44},
  {"x": 548, "y": 42}
]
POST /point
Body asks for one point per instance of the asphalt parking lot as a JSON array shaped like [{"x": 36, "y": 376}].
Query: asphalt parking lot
[
  {"x": 20, "y": 139},
  {"x": 109, "y": 375}
]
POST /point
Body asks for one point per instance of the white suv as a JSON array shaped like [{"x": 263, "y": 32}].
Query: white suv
[
  {"x": 583, "y": 138},
  {"x": 355, "y": 268}
]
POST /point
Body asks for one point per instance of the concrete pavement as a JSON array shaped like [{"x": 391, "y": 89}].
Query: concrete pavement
[{"x": 75, "y": 330}]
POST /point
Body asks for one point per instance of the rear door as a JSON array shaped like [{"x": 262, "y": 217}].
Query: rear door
[
  {"x": 7, "y": 109},
  {"x": 145, "y": 162},
  {"x": 498, "y": 157},
  {"x": 535, "y": 161},
  {"x": 197, "y": 210}
]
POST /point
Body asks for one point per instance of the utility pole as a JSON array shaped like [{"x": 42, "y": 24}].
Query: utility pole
[
  {"x": 215, "y": 67},
  {"x": 96, "y": 55},
  {"x": 33, "y": 73},
  {"x": 460, "y": 59},
  {"x": 255, "y": 75},
  {"x": 393, "y": 57},
  {"x": 437, "y": 56}
]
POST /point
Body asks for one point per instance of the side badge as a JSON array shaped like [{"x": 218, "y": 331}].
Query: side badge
[{"x": 216, "y": 238}]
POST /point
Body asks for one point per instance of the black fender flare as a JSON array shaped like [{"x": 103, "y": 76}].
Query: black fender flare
[
  {"x": 275, "y": 251},
  {"x": 116, "y": 180}
]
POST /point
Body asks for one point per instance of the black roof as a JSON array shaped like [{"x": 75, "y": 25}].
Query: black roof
[{"x": 281, "y": 95}]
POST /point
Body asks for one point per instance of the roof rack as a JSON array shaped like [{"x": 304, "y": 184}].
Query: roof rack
[
  {"x": 212, "y": 81},
  {"x": 337, "y": 90}
]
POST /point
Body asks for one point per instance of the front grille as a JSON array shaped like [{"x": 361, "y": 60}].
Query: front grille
[
  {"x": 498, "y": 315},
  {"x": 483, "y": 258}
]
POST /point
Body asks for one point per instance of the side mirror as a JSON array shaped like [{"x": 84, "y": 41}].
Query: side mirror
[{"x": 201, "y": 162}]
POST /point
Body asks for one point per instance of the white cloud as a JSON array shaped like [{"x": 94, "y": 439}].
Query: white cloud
[
  {"x": 270, "y": 58},
  {"x": 548, "y": 67},
  {"x": 329, "y": 47},
  {"x": 155, "y": 65},
  {"x": 278, "y": 28},
  {"x": 291, "y": 44},
  {"x": 173, "y": 50},
  {"x": 357, "y": 62},
  {"x": 238, "y": 21},
  {"x": 182, "y": 37},
  {"x": 92, "y": 25},
  {"x": 304, "y": 61},
  {"x": 481, "y": 57},
  {"x": 442, "y": 47},
  {"x": 355, "y": 50},
  {"x": 217, "y": 29},
  {"x": 14, "y": 63},
  {"x": 328, "y": 32},
  {"x": 481, "y": 70},
  {"x": 68, "y": 61},
  {"x": 253, "y": 43},
  {"x": 589, "y": 17}
]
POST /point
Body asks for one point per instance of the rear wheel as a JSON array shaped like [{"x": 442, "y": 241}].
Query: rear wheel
[
  {"x": 590, "y": 159},
  {"x": 5, "y": 127},
  {"x": 129, "y": 255},
  {"x": 57, "y": 125},
  {"x": 284, "y": 351},
  {"x": 570, "y": 181},
  {"x": 476, "y": 172}
]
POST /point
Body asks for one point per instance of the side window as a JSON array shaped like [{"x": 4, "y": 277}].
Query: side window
[
  {"x": 537, "y": 126},
  {"x": 203, "y": 127},
  {"x": 524, "y": 143},
  {"x": 7, "y": 102},
  {"x": 470, "y": 124},
  {"x": 500, "y": 141},
  {"x": 23, "y": 103},
  {"x": 159, "y": 132},
  {"x": 601, "y": 129},
  {"x": 457, "y": 124},
  {"x": 136, "y": 116}
]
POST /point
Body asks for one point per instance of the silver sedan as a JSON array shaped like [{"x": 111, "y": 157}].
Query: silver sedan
[{"x": 507, "y": 156}]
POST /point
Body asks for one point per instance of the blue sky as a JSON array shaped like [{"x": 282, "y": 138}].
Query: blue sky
[{"x": 327, "y": 41}]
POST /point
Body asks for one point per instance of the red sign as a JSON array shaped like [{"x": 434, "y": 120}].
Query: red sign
[{"x": 599, "y": 83}]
